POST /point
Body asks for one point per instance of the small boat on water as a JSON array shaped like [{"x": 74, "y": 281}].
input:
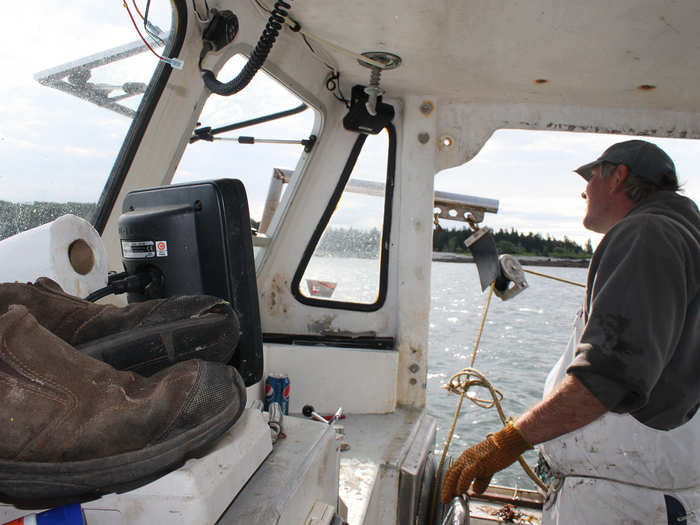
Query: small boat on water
[
  {"x": 320, "y": 288},
  {"x": 414, "y": 87}
]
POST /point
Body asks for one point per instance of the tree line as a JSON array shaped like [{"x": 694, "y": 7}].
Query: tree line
[
  {"x": 16, "y": 217},
  {"x": 514, "y": 243}
]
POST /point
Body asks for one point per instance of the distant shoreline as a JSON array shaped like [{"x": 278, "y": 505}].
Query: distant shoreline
[{"x": 524, "y": 260}]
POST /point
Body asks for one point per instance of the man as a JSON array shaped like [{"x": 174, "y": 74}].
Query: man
[{"x": 619, "y": 422}]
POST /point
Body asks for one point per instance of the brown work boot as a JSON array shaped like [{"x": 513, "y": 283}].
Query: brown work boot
[
  {"x": 75, "y": 428},
  {"x": 141, "y": 337}
]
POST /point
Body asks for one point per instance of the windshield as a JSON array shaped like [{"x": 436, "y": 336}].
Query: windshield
[{"x": 74, "y": 76}]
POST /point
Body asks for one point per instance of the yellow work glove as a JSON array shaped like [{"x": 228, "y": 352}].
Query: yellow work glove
[{"x": 480, "y": 462}]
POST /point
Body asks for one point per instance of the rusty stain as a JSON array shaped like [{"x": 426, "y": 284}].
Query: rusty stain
[
  {"x": 654, "y": 132},
  {"x": 646, "y": 87},
  {"x": 274, "y": 297},
  {"x": 321, "y": 325},
  {"x": 541, "y": 81},
  {"x": 426, "y": 108}
]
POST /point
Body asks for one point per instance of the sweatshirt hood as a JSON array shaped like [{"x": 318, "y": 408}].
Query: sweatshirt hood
[{"x": 672, "y": 205}]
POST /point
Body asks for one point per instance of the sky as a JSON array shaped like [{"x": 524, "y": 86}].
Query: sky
[
  {"x": 56, "y": 147},
  {"x": 530, "y": 173}
]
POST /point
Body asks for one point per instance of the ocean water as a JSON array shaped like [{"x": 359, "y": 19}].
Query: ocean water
[{"x": 522, "y": 339}]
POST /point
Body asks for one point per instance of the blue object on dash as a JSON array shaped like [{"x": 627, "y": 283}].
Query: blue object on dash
[{"x": 66, "y": 515}]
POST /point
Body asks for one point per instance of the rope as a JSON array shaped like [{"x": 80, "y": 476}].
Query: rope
[
  {"x": 483, "y": 320},
  {"x": 554, "y": 278},
  {"x": 461, "y": 382},
  {"x": 469, "y": 377},
  {"x": 459, "y": 403}
]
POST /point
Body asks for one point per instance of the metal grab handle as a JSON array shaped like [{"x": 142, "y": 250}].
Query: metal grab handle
[{"x": 458, "y": 511}]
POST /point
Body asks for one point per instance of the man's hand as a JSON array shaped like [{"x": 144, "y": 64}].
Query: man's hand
[{"x": 480, "y": 462}]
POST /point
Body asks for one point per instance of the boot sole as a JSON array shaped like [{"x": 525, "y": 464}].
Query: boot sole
[
  {"x": 39, "y": 485},
  {"x": 147, "y": 350}
]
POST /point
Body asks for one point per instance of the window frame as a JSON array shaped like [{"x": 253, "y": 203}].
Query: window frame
[
  {"x": 138, "y": 127},
  {"x": 326, "y": 217}
]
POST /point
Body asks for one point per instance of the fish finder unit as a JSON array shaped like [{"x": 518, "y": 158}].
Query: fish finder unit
[{"x": 195, "y": 238}]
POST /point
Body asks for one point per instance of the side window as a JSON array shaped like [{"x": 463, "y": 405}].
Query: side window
[
  {"x": 244, "y": 145},
  {"x": 345, "y": 264}
]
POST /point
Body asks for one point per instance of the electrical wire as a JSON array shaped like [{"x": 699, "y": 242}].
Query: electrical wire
[
  {"x": 256, "y": 59},
  {"x": 133, "y": 21},
  {"x": 172, "y": 61},
  {"x": 147, "y": 26},
  {"x": 199, "y": 17},
  {"x": 150, "y": 27},
  {"x": 333, "y": 79}
]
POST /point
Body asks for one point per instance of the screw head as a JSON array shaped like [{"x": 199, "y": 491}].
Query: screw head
[
  {"x": 446, "y": 142},
  {"x": 426, "y": 108}
]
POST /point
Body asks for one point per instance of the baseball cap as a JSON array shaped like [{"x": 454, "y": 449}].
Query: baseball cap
[{"x": 641, "y": 157}]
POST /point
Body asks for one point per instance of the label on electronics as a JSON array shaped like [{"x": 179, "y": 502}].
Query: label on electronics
[
  {"x": 144, "y": 249},
  {"x": 161, "y": 249},
  {"x": 138, "y": 249}
]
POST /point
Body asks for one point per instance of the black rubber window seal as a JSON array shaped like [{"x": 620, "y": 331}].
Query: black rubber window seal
[
  {"x": 326, "y": 217},
  {"x": 138, "y": 127}
]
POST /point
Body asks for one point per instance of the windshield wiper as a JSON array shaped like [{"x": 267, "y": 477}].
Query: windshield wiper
[{"x": 208, "y": 133}]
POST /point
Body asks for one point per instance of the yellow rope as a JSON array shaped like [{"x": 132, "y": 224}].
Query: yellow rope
[
  {"x": 483, "y": 320},
  {"x": 554, "y": 278},
  {"x": 459, "y": 408},
  {"x": 461, "y": 382}
]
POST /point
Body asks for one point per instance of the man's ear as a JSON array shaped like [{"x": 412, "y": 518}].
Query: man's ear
[{"x": 619, "y": 177}]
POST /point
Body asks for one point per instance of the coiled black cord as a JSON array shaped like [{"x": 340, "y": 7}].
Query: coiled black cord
[{"x": 256, "y": 59}]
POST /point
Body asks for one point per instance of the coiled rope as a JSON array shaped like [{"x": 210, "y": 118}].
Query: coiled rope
[{"x": 469, "y": 377}]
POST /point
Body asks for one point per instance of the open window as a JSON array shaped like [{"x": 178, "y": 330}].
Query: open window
[
  {"x": 345, "y": 264},
  {"x": 260, "y": 136}
]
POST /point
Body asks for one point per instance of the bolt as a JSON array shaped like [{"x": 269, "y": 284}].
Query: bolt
[
  {"x": 423, "y": 138},
  {"x": 426, "y": 108}
]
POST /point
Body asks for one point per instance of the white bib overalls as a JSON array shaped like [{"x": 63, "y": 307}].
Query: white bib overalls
[{"x": 616, "y": 470}]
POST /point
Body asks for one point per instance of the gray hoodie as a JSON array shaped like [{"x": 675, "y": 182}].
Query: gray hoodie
[{"x": 640, "y": 350}]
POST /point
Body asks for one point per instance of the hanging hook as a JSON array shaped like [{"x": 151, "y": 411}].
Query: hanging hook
[{"x": 388, "y": 61}]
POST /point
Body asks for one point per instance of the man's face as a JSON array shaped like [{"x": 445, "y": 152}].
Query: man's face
[{"x": 599, "y": 203}]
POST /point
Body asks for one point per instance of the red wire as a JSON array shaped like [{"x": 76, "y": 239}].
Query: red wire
[
  {"x": 138, "y": 31},
  {"x": 137, "y": 8}
]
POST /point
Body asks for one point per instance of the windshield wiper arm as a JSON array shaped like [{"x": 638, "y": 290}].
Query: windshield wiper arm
[{"x": 207, "y": 132}]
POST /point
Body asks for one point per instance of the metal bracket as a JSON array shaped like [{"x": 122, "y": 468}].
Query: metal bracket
[{"x": 511, "y": 280}]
